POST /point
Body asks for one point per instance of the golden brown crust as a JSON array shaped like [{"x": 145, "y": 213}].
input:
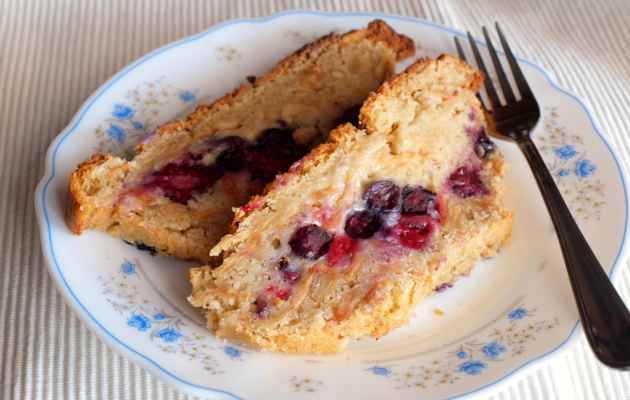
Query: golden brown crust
[
  {"x": 78, "y": 208},
  {"x": 473, "y": 80},
  {"x": 377, "y": 31}
]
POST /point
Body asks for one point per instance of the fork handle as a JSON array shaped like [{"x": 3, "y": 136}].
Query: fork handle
[{"x": 605, "y": 318}]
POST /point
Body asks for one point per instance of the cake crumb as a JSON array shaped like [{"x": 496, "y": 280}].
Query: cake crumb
[{"x": 438, "y": 312}]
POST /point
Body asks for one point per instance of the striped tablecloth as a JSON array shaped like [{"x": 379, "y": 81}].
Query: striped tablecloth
[{"x": 55, "y": 53}]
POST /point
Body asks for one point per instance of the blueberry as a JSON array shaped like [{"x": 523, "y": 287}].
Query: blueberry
[
  {"x": 232, "y": 159},
  {"x": 362, "y": 224},
  {"x": 382, "y": 195},
  {"x": 419, "y": 201},
  {"x": 310, "y": 241},
  {"x": 484, "y": 146},
  {"x": 279, "y": 143},
  {"x": 261, "y": 307},
  {"x": 288, "y": 275},
  {"x": 466, "y": 182},
  {"x": 274, "y": 152},
  {"x": 265, "y": 167}
]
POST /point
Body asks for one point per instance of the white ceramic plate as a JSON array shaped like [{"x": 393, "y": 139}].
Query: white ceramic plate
[{"x": 510, "y": 312}]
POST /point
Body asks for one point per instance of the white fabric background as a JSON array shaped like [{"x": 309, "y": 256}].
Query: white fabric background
[{"x": 55, "y": 53}]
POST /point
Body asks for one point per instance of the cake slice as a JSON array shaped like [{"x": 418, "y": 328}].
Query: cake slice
[
  {"x": 347, "y": 242},
  {"x": 176, "y": 194}
]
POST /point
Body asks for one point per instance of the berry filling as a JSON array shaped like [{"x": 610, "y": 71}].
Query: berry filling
[
  {"x": 362, "y": 224},
  {"x": 419, "y": 201},
  {"x": 466, "y": 182},
  {"x": 414, "y": 231},
  {"x": 382, "y": 195},
  {"x": 279, "y": 293},
  {"x": 273, "y": 152},
  {"x": 391, "y": 217},
  {"x": 310, "y": 241},
  {"x": 179, "y": 180},
  {"x": 341, "y": 250}
]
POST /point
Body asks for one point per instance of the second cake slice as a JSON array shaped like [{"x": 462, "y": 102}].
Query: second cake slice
[{"x": 347, "y": 242}]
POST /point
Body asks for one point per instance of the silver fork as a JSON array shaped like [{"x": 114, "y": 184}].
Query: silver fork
[{"x": 605, "y": 318}]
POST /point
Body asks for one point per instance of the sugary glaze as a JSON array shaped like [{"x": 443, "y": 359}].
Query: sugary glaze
[{"x": 358, "y": 231}]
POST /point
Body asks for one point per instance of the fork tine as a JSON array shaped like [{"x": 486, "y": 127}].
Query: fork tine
[
  {"x": 521, "y": 82},
  {"x": 492, "y": 93},
  {"x": 460, "y": 51},
  {"x": 462, "y": 56},
  {"x": 503, "y": 81}
]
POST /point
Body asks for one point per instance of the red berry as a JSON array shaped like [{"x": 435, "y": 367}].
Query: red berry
[
  {"x": 414, "y": 231},
  {"x": 179, "y": 180},
  {"x": 342, "y": 248},
  {"x": 283, "y": 293},
  {"x": 280, "y": 293}
]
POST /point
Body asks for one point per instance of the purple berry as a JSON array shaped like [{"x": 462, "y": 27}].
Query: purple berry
[
  {"x": 274, "y": 152},
  {"x": 232, "y": 159},
  {"x": 362, "y": 224},
  {"x": 484, "y": 146},
  {"x": 310, "y": 241},
  {"x": 382, "y": 195},
  {"x": 265, "y": 167},
  {"x": 261, "y": 307},
  {"x": 466, "y": 182},
  {"x": 288, "y": 275},
  {"x": 419, "y": 201},
  {"x": 443, "y": 287},
  {"x": 278, "y": 143}
]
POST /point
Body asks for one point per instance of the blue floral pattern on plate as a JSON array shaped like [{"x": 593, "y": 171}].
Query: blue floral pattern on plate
[
  {"x": 171, "y": 334},
  {"x": 574, "y": 172},
  {"x": 134, "y": 117},
  {"x": 308, "y": 385},
  {"x": 507, "y": 339}
]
